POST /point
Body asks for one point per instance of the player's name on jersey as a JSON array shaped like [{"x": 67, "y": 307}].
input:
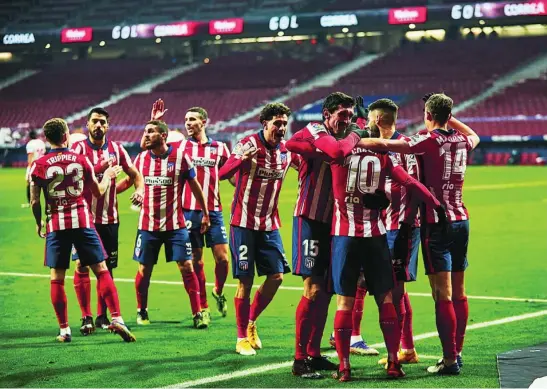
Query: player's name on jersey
[
  {"x": 61, "y": 157},
  {"x": 201, "y": 161},
  {"x": 158, "y": 181},
  {"x": 274, "y": 174}
]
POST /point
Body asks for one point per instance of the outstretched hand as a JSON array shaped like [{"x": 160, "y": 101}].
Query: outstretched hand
[{"x": 158, "y": 110}]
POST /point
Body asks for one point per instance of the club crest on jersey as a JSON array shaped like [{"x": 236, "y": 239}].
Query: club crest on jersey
[
  {"x": 213, "y": 150},
  {"x": 243, "y": 265},
  {"x": 283, "y": 157},
  {"x": 170, "y": 166},
  {"x": 113, "y": 157},
  {"x": 309, "y": 262}
]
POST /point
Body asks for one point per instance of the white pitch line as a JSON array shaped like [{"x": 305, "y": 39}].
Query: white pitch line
[
  {"x": 283, "y": 365},
  {"x": 282, "y": 287}
]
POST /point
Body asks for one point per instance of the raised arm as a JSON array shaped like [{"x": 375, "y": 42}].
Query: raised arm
[
  {"x": 465, "y": 130},
  {"x": 306, "y": 144},
  {"x": 234, "y": 163}
]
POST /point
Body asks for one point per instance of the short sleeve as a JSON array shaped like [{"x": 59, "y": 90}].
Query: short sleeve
[
  {"x": 36, "y": 173},
  {"x": 30, "y": 148},
  {"x": 422, "y": 142},
  {"x": 125, "y": 160}
]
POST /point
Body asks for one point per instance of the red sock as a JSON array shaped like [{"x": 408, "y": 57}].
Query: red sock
[
  {"x": 200, "y": 274},
  {"x": 141, "y": 287},
  {"x": 242, "y": 316},
  {"x": 407, "y": 338},
  {"x": 109, "y": 292},
  {"x": 461, "y": 309},
  {"x": 358, "y": 307},
  {"x": 389, "y": 323},
  {"x": 82, "y": 286},
  {"x": 58, "y": 299},
  {"x": 446, "y": 326},
  {"x": 342, "y": 336},
  {"x": 221, "y": 273},
  {"x": 320, "y": 311},
  {"x": 101, "y": 304},
  {"x": 191, "y": 284},
  {"x": 259, "y": 305},
  {"x": 303, "y": 327},
  {"x": 400, "y": 309}
]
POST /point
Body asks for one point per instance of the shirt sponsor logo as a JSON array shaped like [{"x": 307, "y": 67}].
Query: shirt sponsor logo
[
  {"x": 158, "y": 181},
  {"x": 270, "y": 174},
  {"x": 205, "y": 162},
  {"x": 415, "y": 139}
]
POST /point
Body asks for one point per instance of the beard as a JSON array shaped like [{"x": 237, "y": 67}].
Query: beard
[{"x": 97, "y": 135}]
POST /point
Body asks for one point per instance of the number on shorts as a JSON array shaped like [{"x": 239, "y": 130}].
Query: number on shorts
[
  {"x": 364, "y": 173},
  {"x": 139, "y": 241},
  {"x": 58, "y": 175},
  {"x": 243, "y": 249},
  {"x": 311, "y": 247}
]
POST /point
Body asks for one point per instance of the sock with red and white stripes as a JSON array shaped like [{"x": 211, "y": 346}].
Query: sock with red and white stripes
[
  {"x": 191, "y": 284},
  {"x": 358, "y": 307},
  {"x": 109, "y": 293},
  {"x": 82, "y": 287},
  {"x": 320, "y": 311},
  {"x": 221, "y": 273},
  {"x": 303, "y": 327},
  {"x": 446, "y": 326},
  {"x": 200, "y": 274},
  {"x": 389, "y": 323},
  {"x": 142, "y": 284},
  {"x": 259, "y": 305},
  {"x": 58, "y": 299},
  {"x": 407, "y": 337},
  {"x": 461, "y": 309},
  {"x": 342, "y": 336},
  {"x": 242, "y": 307}
]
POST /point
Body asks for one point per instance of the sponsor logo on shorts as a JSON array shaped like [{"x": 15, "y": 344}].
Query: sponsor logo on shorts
[
  {"x": 158, "y": 181},
  {"x": 243, "y": 265},
  {"x": 270, "y": 174},
  {"x": 188, "y": 248},
  {"x": 205, "y": 162},
  {"x": 309, "y": 262}
]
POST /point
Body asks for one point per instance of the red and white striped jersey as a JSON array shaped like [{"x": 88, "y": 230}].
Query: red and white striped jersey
[
  {"x": 258, "y": 183},
  {"x": 64, "y": 176},
  {"x": 207, "y": 158},
  {"x": 104, "y": 209},
  {"x": 315, "y": 200},
  {"x": 363, "y": 171},
  {"x": 444, "y": 155},
  {"x": 397, "y": 193},
  {"x": 164, "y": 179}
]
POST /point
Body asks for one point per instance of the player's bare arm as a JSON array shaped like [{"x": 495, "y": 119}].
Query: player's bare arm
[
  {"x": 465, "y": 130},
  {"x": 379, "y": 144},
  {"x": 37, "y": 209},
  {"x": 99, "y": 188},
  {"x": 136, "y": 179},
  {"x": 197, "y": 191}
]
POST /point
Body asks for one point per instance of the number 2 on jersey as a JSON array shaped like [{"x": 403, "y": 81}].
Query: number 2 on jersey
[
  {"x": 58, "y": 175},
  {"x": 363, "y": 172}
]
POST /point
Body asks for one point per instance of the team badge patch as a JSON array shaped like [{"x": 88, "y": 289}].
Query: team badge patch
[
  {"x": 243, "y": 265},
  {"x": 170, "y": 166},
  {"x": 283, "y": 157}
]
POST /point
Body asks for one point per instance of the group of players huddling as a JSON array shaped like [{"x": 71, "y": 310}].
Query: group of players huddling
[{"x": 367, "y": 196}]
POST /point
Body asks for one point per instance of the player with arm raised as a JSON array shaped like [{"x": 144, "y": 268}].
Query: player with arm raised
[
  {"x": 165, "y": 170},
  {"x": 64, "y": 176},
  {"x": 444, "y": 155},
  {"x": 260, "y": 163},
  {"x": 35, "y": 149},
  {"x": 102, "y": 153}
]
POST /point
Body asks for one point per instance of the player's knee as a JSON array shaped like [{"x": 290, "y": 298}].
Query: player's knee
[
  {"x": 344, "y": 303},
  {"x": 276, "y": 278},
  {"x": 443, "y": 293},
  {"x": 81, "y": 268},
  {"x": 311, "y": 291},
  {"x": 186, "y": 267}
]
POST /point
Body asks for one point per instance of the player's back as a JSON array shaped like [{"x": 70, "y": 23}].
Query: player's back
[
  {"x": 362, "y": 172},
  {"x": 444, "y": 156},
  {"x": 36, "y": 147},
  {"x": 64, "y": 175}
]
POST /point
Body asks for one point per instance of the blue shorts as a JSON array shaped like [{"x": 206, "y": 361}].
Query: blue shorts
[
  {"x": 261, "y": 248},
  {"x": 445, "y": 252},
  {"x": 310, "y": 247},
  {"x": 109, "y": 237},
  {"x": 406, "y": 269},
  {"x": 351, "y": 255},
  {"x": 216, "y": 234},
  {"x": 148, "y": 244},
  {"x": 85, "y": 240}
]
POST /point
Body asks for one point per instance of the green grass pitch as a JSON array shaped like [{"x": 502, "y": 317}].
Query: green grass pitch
[{"x": 507, "y": 255}]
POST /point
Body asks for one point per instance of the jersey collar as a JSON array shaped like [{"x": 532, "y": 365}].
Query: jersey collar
[
  {"x": 443, "y": 132},
  {"x": 95, "y": 147},
  {"x": 266, "y": 144},
  {"x": 59, "y": 150},
  {"x": 395, "y": 135},
  {"x": 209, "y": 141},
  {"x": 163, "y": 156}
]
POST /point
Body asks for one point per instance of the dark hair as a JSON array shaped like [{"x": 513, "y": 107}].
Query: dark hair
[
  {"x": 388, "y": 109},
  {"x": 202, "y": 112},
  {"x": 160, "y": 124},
  {"x": 33, "y": 134},
  {"x": 335, "y": 99},
  {"x": 98, "y": 110},
  {"x": 273, "y": 109},
  {"x": 440, "y": 107},
  {"x": 55, "y": 129}
]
